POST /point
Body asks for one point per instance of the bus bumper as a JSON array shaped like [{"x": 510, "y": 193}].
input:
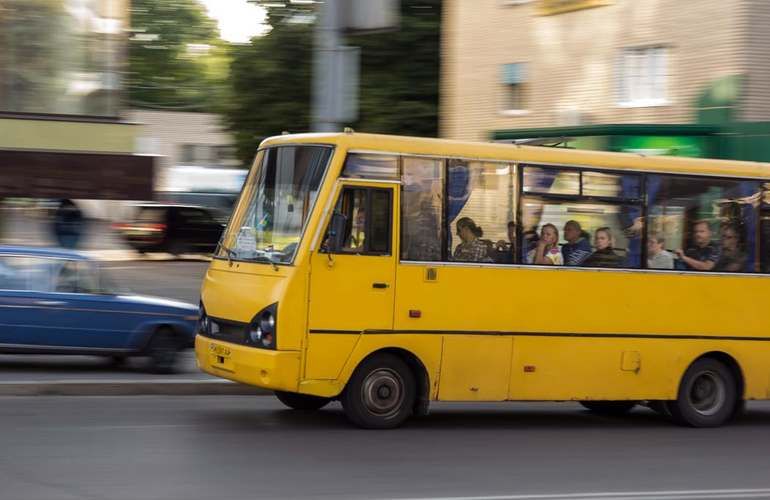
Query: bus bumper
[{"x": 276, "y": 370}]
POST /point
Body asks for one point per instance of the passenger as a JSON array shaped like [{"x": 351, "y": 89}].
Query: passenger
[
  {"x": 578, "y": 248},
  {"x": 358, "y": 230},
  {"x": 704, "y": 255},
  {"x": 504, "y": 249},
  {"x": 547, "y": 251},
  {"x": 471, "y": 249},
  {"x": 657, "y": 256},
  {"x": 732, "y": 258},
  {"x": 605, "y": 255}
]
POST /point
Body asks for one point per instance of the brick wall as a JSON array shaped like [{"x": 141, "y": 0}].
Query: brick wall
[{"x": 572, "y": 60}]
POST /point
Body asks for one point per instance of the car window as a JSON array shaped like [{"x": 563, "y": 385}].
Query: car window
[
  {"x": 76, "y": 277},
  {"x": 151, "y": 215},
  {"x": 193, "y": 216},
  {"x": 25, "y": 273}
]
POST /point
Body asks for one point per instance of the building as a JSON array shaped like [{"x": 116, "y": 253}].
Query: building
[
  {"x": 62, "y": 134},
  {"x": 682, "y": 77},
  {"x": 183, "y": 139}
]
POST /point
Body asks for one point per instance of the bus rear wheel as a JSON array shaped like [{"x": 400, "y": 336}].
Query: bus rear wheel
[
  {"x": 707, "y": 397},
  {"x": 381, "y": 393},
  {"x": 297, "y": 401},
  {"x": 615, "y": 408}
]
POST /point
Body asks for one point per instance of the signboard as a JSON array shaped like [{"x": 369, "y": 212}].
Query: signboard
[
  {"x": 552, "y": 7},
  {"x": 369, "y": 15}
]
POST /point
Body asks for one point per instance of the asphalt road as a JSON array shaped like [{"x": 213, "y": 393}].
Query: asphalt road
[
  {"x": 202, "y": 448},
  {"x": 171, "y": 279}
]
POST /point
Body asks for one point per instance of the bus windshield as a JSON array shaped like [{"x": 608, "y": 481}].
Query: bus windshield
[{"x": 277, "y": 198}]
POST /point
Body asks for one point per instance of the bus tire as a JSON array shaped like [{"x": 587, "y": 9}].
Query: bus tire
[
  {"x": 707, "y": 396},
  {"x": 297, "y": 401},
  {"x": 381, "y": 393},
  {"x": 614, "y": 408}
]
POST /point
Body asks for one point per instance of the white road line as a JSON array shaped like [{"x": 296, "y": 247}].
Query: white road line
[{"x": 624, "y": 495}]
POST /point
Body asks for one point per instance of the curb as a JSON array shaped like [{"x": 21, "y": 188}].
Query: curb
[
  {"x": 134, "y": 256},
  {"x": 130, "y": 388}
]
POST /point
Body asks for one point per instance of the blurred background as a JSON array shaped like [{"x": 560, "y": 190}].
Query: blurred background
[{"x": 112, "y": 102}]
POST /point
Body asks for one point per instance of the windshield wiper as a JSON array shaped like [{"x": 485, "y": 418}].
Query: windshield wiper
[
  {"x": 266, "y": 258},
  {"x": 229, "y": 251}
]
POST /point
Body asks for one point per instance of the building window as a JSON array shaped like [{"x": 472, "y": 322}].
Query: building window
[
  {"x": 643, "y": 76},
  {"x": 513, "y": 77}
]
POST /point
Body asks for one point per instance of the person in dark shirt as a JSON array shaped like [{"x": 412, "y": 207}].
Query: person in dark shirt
[
  {"x": 605, "y": 255},
  {"x": 731, "y": 258},
  {"x": 504, "y": 250},
  {"x": 577, "y": 249},
  {"x": 704, "y": 255}
]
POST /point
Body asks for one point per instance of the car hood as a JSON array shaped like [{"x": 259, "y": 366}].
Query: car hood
[{"x": 147, "y": 300}]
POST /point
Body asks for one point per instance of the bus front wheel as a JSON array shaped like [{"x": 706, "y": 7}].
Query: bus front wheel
[
  {"x": 301, "y": 401},
  {"x": 381, "y": 393},
  {"x": 708, "y": 395}
]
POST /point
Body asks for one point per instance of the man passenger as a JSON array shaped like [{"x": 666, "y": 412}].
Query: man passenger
[
  {"x": 657, "y": 256},
  {"x": 578, "y": 248},
  {"x": 704, "y": 255}
]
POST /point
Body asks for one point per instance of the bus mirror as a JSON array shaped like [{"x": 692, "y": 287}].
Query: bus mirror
[{"x": 337, "y": 233}]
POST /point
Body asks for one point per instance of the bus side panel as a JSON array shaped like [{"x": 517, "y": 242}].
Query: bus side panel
[
  {"x": 580, "y": 333},
  {"x": 327, "y": 354},
  {"x": 475, "y": 368}
]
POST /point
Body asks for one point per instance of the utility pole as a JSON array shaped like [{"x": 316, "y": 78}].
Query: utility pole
[{"x": 326, "y": 82}]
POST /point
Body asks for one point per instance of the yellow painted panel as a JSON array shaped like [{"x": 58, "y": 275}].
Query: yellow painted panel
[
  {"x": 67, "y": 136},
  {"x": 475, "y": 368},
  {"x": 327, "y": 354}
]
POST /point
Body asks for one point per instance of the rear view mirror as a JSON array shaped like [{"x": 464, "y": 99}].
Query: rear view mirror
[{"x": 336, "y": 234}]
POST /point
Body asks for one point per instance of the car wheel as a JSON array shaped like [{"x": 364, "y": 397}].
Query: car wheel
[
  {"x": 301, "y": 401},
  {"x": 614, "y": 408},
  {"x": 163, "y": 351},
  {"x": 380, "y": 394},
  {"x": 707, "y": 397}
]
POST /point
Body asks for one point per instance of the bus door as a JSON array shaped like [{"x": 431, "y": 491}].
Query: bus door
[{"x": 352, "y": 277}]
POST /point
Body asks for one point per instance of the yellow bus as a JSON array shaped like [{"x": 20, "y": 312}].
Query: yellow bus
[{"x": 388, "y": 272}]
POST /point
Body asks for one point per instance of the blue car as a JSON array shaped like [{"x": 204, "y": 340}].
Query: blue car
[{"x": 60, "y": 302}]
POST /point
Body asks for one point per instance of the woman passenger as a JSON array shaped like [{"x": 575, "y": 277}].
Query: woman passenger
[
  {"x": 605, "y": 255},
  {"x": 471, "y": 249},
  {"x": 547, "y": 251}
]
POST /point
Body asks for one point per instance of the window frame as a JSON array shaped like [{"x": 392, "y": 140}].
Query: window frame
[
  {"x": 519, "y": 195},
  {"x": 367, "y": 222}
]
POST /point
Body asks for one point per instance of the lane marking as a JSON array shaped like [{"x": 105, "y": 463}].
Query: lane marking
[{"x": 623, "y": 495}]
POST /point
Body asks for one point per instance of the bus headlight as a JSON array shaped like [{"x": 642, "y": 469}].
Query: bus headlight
[{"x": 262, "y": 330}]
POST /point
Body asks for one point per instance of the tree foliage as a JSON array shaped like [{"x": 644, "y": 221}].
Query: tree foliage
[
  {"x": 175, "y": 57},
  {"x": 271, "y": 80},
  {"x": 272, "y": 76}
]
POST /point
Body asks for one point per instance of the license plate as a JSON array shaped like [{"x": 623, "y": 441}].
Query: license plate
[{"x": 219, "y": 350}]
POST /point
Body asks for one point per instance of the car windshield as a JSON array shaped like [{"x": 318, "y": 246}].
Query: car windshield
[{"x": 275, "y": 203}]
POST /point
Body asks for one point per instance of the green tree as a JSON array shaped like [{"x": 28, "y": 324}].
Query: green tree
[
  {"x": 174, "y": 55},
  {"x": 400, "y": 73},
  {"x": 272, "y": 77},
  {"x": 271, "y": 80}
]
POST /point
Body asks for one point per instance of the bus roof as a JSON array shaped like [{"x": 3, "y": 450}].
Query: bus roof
[{"x": 519, "y": 153}]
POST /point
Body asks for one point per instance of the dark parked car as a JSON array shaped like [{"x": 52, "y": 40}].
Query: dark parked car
[
  {"x": 174, "y": 229},
  {"x": 61, "y": 302}
]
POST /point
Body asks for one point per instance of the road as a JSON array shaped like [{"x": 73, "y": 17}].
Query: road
[
  {"x": 228, "y": 447},
  {"x": 171, "y": 279}
]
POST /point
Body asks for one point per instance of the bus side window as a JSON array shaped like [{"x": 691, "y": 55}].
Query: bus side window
[{"x": 368, "y": 212}]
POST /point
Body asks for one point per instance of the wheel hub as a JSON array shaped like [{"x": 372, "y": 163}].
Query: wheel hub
[
  {"x": 383, "y": 392},
  {"x": 707, "y": 394}
]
